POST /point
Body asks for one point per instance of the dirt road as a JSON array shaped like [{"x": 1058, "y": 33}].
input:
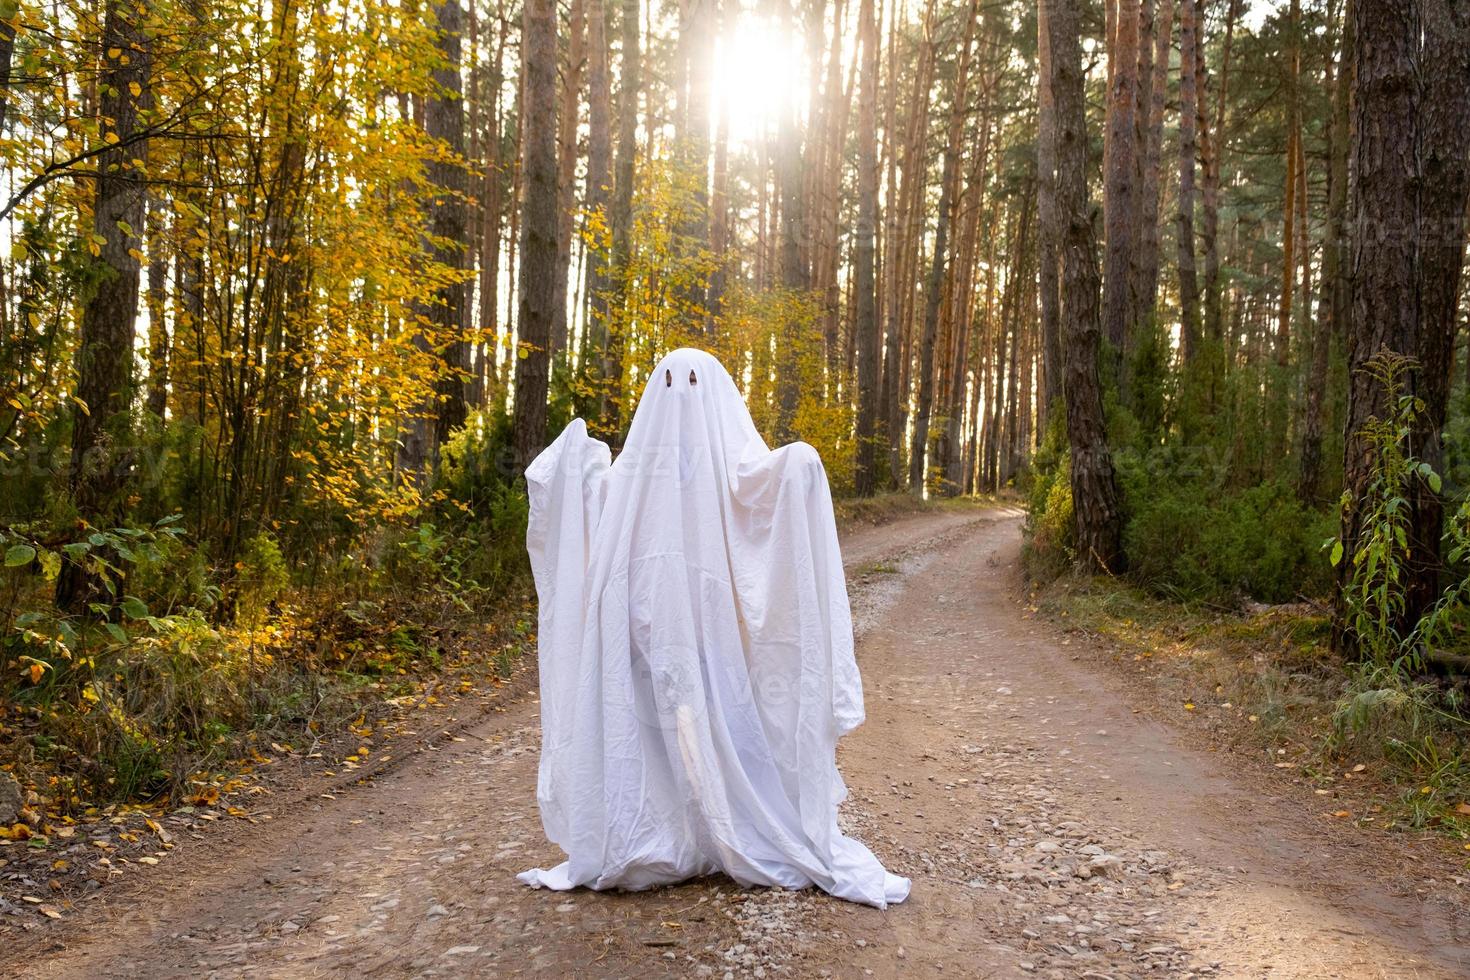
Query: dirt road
[{"x": 1049, "y": 830}]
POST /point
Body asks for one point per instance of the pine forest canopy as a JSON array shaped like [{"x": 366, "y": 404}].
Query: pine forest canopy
[{"x": 310, "y": 270}]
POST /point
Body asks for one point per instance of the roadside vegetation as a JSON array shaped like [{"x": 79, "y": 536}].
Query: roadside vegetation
[{"x": 1226, "y": 606}]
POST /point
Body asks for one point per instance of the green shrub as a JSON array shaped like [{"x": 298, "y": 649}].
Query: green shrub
[
  {"x": 262, "y": 578},
  {"x": 1051, "y": 537},
  {"x": 1194, "y": 542}
]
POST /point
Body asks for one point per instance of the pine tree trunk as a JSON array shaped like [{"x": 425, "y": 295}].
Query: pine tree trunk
[
  {"x": 566, "y": 170},
  {"x": 1188, "y": 117},
  {"x": 622, "y": 216},
  {"x": 101, "y": 459},
  {"x": 599, "y": 176},
  {"x": 865, "y": 322},
  {"x": 1329, "y": 309},
  {"x": 538, "y": 229},
  {"x": 158, "y": 338},
  {"x": 448, "y": 224},
  {"x": 795, "y": 270},
  {"x": 696, "y": 57},
  {"x": 1119, "y": 202},
  {"x": 490, "y": 212},
  {"x": 1212, "y": 149},
  {"x": 1289, "y": 258},
  {"x": 1048, "y": 230},
  {"x": 1094, "y": 485},
  {"x": 1147, "y": 269},
  {"x": 1409, "y": 136},
  {"x": 1444, "y": 146}
]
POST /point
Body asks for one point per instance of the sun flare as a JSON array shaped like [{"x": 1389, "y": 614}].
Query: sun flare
[{"x": 756, "y": 69}]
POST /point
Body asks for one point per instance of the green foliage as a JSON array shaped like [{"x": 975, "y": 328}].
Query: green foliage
[
  {"x": 1187, "y": 541},
  {"x": 1051, "y": 534},
  {"x": 1374, "y": 590},
  {"x": 262, "y": 578}
]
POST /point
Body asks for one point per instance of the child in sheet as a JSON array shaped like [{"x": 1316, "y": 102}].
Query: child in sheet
[{"x": 696, "y": 652}]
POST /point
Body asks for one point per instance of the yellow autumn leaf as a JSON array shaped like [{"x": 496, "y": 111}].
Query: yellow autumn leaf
[{"x": 37, "y": 672}]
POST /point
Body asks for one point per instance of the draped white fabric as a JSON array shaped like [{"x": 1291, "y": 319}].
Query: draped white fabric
[{"x": 696, "y": 652}]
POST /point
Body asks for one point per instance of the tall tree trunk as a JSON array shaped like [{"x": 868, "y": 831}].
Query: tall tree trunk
[
  {"x": 795, "y": 272},
  {"x": 599, "y": 176},
  {"x": 622, "y": 216},
  {"x": 566, "y": 170},
  {"x": 449, "y": 225},
  {"x": 1147, "y": 269},
  {"x": 962, "y": 303},
  {"x": 1409, "y": 160},
  {"x": 490, "y": 215},
  {"x": 1444, "y": 153},
  {"x": 696, "y": 55},
  {"x": 865, "y": 323},
  {"x": 1188, "y": 117},
  {"x": 538, "y": 229},
  {"x": 1048, "y": 230},
  {"x": 1119, "y": 190},
  {"x": 1329, "y": 308},
  {"x": 101, "y": 460},
  {"x": 953, "y": 147},
  {"x": 1293, "y": 163},
  {"x": 1094, "y": 484},
  {"x": 1212, "y": 149},
  {"x": 158, "y": 338}
]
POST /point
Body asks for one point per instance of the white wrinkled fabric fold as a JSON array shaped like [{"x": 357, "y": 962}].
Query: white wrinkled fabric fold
[{"x": 695, "y": 650}]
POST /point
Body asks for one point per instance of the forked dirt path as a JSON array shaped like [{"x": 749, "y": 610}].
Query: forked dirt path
[{"x": 1050, "y": 831}]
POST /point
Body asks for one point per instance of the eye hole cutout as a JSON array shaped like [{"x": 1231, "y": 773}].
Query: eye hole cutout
[
  {"x": 692, "y": 379},
  {"x": 668, "y": 378}
]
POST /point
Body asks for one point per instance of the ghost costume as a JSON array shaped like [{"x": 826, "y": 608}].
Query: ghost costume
[{"x": 696, "y": 652}]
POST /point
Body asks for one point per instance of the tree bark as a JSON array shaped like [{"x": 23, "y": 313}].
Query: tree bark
[
  {"x": 795, "y": 271},
  {"x": 1212, "y": 149},
  {"x": 611, "y": 411},
  {"x": 158, "y": 337},
  {"x": 1444, "y": 153},
  {"x": 538, "y": 229},
  {"x": 865, "y": 322},
  {"x": 1409, "y": 158},
  {"x": 449, "y": 226},
  {"x": 1147, "y": 269},
  {"x": 1293, "y": 163},
  {"x": 1330, "y": 307},
  {"x": 101, "y": 460},
  {"x": 1094, "y": 485},
  {"x": 696, "y": 55},
  {"x": 566, "y": 170},
  {"x": 1119, "y": 201},
  {"x": 1188, "y": 115},
  {"x": 599, "y": 176},
  {"x": 1048, "y": 229},
  {"x": 490, "y": 223}
]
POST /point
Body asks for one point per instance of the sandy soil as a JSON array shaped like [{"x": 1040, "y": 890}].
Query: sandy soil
[{"x": 1050, "y": 830}]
